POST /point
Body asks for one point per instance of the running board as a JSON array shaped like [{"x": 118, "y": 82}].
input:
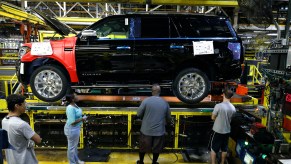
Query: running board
[{"x": 119, "y": 86}]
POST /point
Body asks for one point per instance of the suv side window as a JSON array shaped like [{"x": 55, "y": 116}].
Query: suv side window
[
  {"x": 213, "y": 27},
  {"x": 205, "y": 27},
  {"x": 155, "y": 27},
  {"x": 117, "y": 28}
]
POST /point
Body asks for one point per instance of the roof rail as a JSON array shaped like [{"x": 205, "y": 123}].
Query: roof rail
[{"x": 168, "y": 13}]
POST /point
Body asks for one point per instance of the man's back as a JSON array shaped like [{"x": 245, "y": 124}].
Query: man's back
[
  {"x": 154, "y": 112},
  {"x": 224, "y": 112}
]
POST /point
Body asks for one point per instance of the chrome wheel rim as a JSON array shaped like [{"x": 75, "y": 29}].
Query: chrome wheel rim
[
  {"x": 191, "y": 86},
  {"x": 48, "y": 84}
]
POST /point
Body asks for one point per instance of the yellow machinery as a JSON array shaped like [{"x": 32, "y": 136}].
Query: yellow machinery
[
  {"x": 116, "y": 127},
  {"x": 55, "y": 117}
]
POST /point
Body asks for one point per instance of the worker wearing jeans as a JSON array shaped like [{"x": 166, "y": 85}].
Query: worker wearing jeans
[
  {"x": 73, "y": 127},
  {"x": 73, "y": 136}
]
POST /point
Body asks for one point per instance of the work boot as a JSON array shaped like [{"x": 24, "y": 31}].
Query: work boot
[
  {"x": 139, "y": 162},
  {"x": 81, "y": 162}
]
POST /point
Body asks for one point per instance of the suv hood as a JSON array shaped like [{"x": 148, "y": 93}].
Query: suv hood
[{"x": 54, "y": 23}]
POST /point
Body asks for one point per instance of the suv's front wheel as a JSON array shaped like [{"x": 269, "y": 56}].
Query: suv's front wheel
[
  {"x": 191, "y": 85},
  {"x": 49, "y": 83}
]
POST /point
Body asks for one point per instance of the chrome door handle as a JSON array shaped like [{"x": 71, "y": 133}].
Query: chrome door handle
[
  {"x": 123, "y": 47},
  {"x": 176, "y": 47}
]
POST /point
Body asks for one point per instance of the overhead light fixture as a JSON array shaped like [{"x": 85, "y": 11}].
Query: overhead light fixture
[
  {"x": 272, "y": 34},
  {"x": 258, "y": 31}
]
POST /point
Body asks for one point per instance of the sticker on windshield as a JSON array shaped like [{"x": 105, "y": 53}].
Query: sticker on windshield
[
  {"x": 41, "y": 48},
  {"x": 203, "y": 47}
]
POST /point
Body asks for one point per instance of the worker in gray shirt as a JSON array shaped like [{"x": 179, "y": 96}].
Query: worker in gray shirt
[
  {"x": 154, "y": 112},
  {"x": 222, "y": 115},
  {"x": 20, "y": 135}
]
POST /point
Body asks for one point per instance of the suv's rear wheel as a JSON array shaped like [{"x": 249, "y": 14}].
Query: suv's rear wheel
[
  {"x": 49, "y": 83},
  {"x": 191, "y": 85}
]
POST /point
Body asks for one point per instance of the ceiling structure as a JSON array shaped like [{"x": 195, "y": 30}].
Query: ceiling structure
[
  {"x": 86, "y": 12},
  {"x": 74, "y": 12},
  {"x": 103, "y": 8}
]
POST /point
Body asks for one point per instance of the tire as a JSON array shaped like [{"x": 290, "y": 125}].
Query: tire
[
  {"x": 191, "y": 86},
  {"x": 49, "y": 83}
]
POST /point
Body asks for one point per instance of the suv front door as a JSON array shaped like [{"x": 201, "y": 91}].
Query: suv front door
[{"x": 109, "y": 55}]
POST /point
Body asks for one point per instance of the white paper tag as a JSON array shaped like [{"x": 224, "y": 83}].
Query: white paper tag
[
  {"x": 41, "y": 48},
  {"x": 203, "y": 47},
  {"x": 21, "y": 68},
  {"x": 126, "y": 21}
]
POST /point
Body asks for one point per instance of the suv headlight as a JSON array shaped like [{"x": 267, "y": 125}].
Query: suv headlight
[{"x": 22, "y": 51}]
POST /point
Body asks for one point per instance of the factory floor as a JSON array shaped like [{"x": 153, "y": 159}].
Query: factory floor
[
  {"x": 60, "y": 157},
  {"x": 121, "y": 157}
]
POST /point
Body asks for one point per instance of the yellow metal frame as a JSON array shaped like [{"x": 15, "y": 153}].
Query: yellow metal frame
[
  {"x": 12, "y": 83},
  {"x": 5, "y": 78},
  {"x": 6, "y": 57},
  {"x": 129, "y": 115},
  {"x": 255, "y": 73},
  {"x": 3, "y": 104},
  {"x": 50, "y": 34},
  {"x": 287, "y": 137},
  {"x": 266, "y": 102},
  {"x": 14, "y": 12},
  {"x": 78, "y": 19}
]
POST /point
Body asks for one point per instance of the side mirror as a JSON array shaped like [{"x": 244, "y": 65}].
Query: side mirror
[{"x": 89, "y": 33}]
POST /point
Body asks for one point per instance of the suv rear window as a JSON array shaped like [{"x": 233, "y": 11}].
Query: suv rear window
[{"x": 205, "y": 27}]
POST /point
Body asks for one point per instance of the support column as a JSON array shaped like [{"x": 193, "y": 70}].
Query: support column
[
  {"x": 119, "y": 9},
  {"x": 288, "y": 23},
  {"x": 178, "y": 8},
  {"x": 235, "y": 19}
]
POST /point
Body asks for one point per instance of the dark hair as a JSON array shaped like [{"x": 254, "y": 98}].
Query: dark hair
[
  {"x": 70, "y": 98},
  {"x": 228, "y": 93},
  {"x": 14, "y": 99}
]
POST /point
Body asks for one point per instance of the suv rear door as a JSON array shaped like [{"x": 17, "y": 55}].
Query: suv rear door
[
  {"x": 156, "y": 52},
  {"x": 212, "y": 30}
]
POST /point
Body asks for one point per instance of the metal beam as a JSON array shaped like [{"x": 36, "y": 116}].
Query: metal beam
[
  {"x": 255, "y": 28},
  {"x": 12, "y": 16},
  {"x": 224, "y": 3},
  {"x": 49, "y": 9},
  {"x": 156, "y": 7},
  {"x": 18, "y": 14},
  {"x": 78, "y": 20}
]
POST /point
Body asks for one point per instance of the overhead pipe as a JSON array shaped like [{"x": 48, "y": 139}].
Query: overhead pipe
[{"x": 278, "y": 29}]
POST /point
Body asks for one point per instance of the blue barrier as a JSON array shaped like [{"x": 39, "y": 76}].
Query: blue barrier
[{"x": 4, "y": 144}]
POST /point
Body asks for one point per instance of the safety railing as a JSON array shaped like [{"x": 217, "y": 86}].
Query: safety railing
[
  {"x": 257, "y": 77},
  {"x": 11, "y": 86}
]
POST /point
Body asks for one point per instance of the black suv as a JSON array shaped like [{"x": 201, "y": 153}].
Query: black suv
[{"x": 181, "y": 52}]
